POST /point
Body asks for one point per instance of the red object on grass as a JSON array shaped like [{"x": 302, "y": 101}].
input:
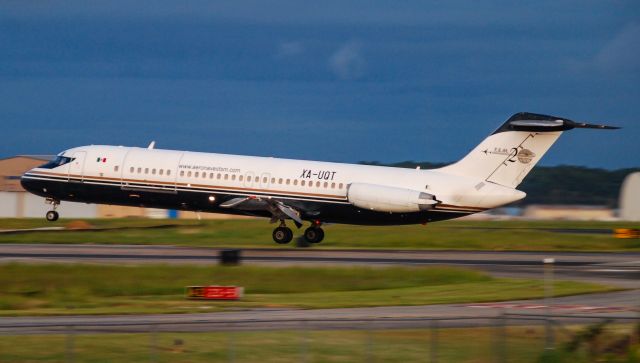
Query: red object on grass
[{"x": 214, "y": 292}]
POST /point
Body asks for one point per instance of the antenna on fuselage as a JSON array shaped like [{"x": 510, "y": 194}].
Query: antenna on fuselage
[{"x": 151, "y": 145}]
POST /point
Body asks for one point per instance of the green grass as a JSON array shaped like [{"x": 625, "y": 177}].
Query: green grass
[
  {"x": 456, "y": 345},
  {"x": 467, "y": 235},
  {"x": 106, "y": 289}
]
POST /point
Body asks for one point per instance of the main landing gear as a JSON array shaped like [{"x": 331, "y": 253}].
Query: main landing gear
[
  {"x": 284, "y": 234},
  {"x": 314, "y": 234},
  {"x": 52, "y": 215}
]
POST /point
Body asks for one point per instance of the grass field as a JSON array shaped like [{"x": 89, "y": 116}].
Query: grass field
[
  {"x": 470, "y": 345},
  {"x": 106, "y": 289},
  {"x": 467, "y": 235}
]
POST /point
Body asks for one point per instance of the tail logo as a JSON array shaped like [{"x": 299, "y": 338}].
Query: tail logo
[
  {"x": 522, "y": 155},
  {"x": 525, "y": 156}
]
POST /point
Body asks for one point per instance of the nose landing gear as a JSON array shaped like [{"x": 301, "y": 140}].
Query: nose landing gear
[{"x": 52, "y": 215}]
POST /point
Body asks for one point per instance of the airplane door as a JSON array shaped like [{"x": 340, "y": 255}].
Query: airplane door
[{"x": 76, "y": 167}]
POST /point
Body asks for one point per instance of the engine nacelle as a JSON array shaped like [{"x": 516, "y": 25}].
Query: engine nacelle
[{"x": 389, "y": 199}]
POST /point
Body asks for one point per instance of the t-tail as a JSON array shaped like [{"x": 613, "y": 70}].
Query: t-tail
[{"x": 510, "y": 152}]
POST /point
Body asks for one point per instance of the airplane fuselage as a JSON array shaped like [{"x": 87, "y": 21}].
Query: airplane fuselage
[
  {"x": 299, "y": 190},
  {"x": 203, "y": 181}
]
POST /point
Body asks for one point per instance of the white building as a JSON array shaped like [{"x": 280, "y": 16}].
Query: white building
[{"x": 630, "y": 198}]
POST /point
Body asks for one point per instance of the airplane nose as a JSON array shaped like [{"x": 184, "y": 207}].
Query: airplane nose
[{"x": 27, "y": 183}]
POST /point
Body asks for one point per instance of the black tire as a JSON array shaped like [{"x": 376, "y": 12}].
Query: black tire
[
  {"x": 314, "y": 234},
  {"x": 282, "y": 235},
  {"x": 52, "y": 216}
]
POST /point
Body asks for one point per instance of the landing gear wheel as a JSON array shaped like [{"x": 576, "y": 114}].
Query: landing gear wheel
[
  {"x": 314, "y": 234},
  {"x": 52, "y": 216},
  {"x": 282, "y": 235}
]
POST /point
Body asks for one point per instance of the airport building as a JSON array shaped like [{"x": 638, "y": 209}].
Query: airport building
[
  {"x": 630, "y": 198},
  {"x": 15, "y": 202},
  {"x": 568, "y": 212}
]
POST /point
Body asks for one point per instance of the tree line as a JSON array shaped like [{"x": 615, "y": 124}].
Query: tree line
[{"x": 563, "y": 184}]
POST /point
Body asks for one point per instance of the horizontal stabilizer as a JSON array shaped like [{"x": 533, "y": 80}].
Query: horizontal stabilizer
[
  {"x": 583, "y": 125},
  {"x": 532, "y": 122}
]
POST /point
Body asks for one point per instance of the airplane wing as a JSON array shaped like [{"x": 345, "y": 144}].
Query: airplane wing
[{"x": 278, "y": 209}]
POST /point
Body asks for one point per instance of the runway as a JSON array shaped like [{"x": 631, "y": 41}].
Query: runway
[
  {"x": 615, "y": 269},
  {"x": 620, "y": 269}
]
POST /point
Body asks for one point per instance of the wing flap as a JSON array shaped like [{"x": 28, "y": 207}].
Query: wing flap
[{"x": 278, "y": 209}]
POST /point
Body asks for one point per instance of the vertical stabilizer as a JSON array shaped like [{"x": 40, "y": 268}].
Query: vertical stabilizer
[{"x": 509, "y": 154}]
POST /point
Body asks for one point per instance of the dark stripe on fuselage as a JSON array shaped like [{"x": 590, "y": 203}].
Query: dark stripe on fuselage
[
  {"x": 187, "y": 186},
  {"x": 163, "y": 187},
  {"x": 197, "y": 199}
]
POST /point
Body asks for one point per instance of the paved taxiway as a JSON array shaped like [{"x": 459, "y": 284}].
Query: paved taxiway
[
  {"x": 620, "y": 269},
  {"x": 619, "y": 305}
]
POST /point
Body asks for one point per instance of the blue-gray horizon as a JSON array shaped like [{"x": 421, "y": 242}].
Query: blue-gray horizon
[{"x": 337, "y": 81}]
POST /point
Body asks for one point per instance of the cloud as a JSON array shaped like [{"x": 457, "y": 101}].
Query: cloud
[
  {"x": 622, "y": 53},
  {"x": 289, "y": 49},
  {"x": 347, "y": 61}
]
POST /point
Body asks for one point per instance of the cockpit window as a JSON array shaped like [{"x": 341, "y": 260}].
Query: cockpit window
[{"x": 58, "y": 161}]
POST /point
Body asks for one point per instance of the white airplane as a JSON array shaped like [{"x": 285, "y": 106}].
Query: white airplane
[{"x": 298, "y": 190}]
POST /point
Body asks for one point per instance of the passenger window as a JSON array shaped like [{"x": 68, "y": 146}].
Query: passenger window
[
  {"x": 240, "y": 177},
  {"x": 168, "y": 172},
  {"x": 146, "y": 170},
  {"x": 317, "y": 184},
  {"x": 210, "y": 175},
  {"x": 161, "y": 172},
  {"x": 153, "y": 171},
  {"x": 181, "y": 172},
  {"x": 340, "y": 186},
  {"x": 280, "y": 181},
  {"x": 264, "y": 180},
  {"x": 197, "y": 174},
  {"x": 257, "y": 179},
  {"x": 204, "y": 175},
  {"x": 273, "y": 180},
  {"x": 295, "y": 181},
  {"x": 226, "y": 176},
  {"x": 189, "y": 174},
  {"x": 326, "y": 184},
  {"x": 131, "y": 169},
  {"x": 333, "y": 185},
  {"x": 233, "y": 177},
  {"x": 139, "y": 170},
  {"x": 303, "y": 183},
  {"x": 310, "y": 184}
]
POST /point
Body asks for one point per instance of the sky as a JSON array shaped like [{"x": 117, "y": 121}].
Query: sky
[{"x": 343, "y": 81}]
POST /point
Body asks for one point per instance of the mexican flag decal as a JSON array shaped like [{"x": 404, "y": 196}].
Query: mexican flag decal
[{"x": 100, "y": 159}]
